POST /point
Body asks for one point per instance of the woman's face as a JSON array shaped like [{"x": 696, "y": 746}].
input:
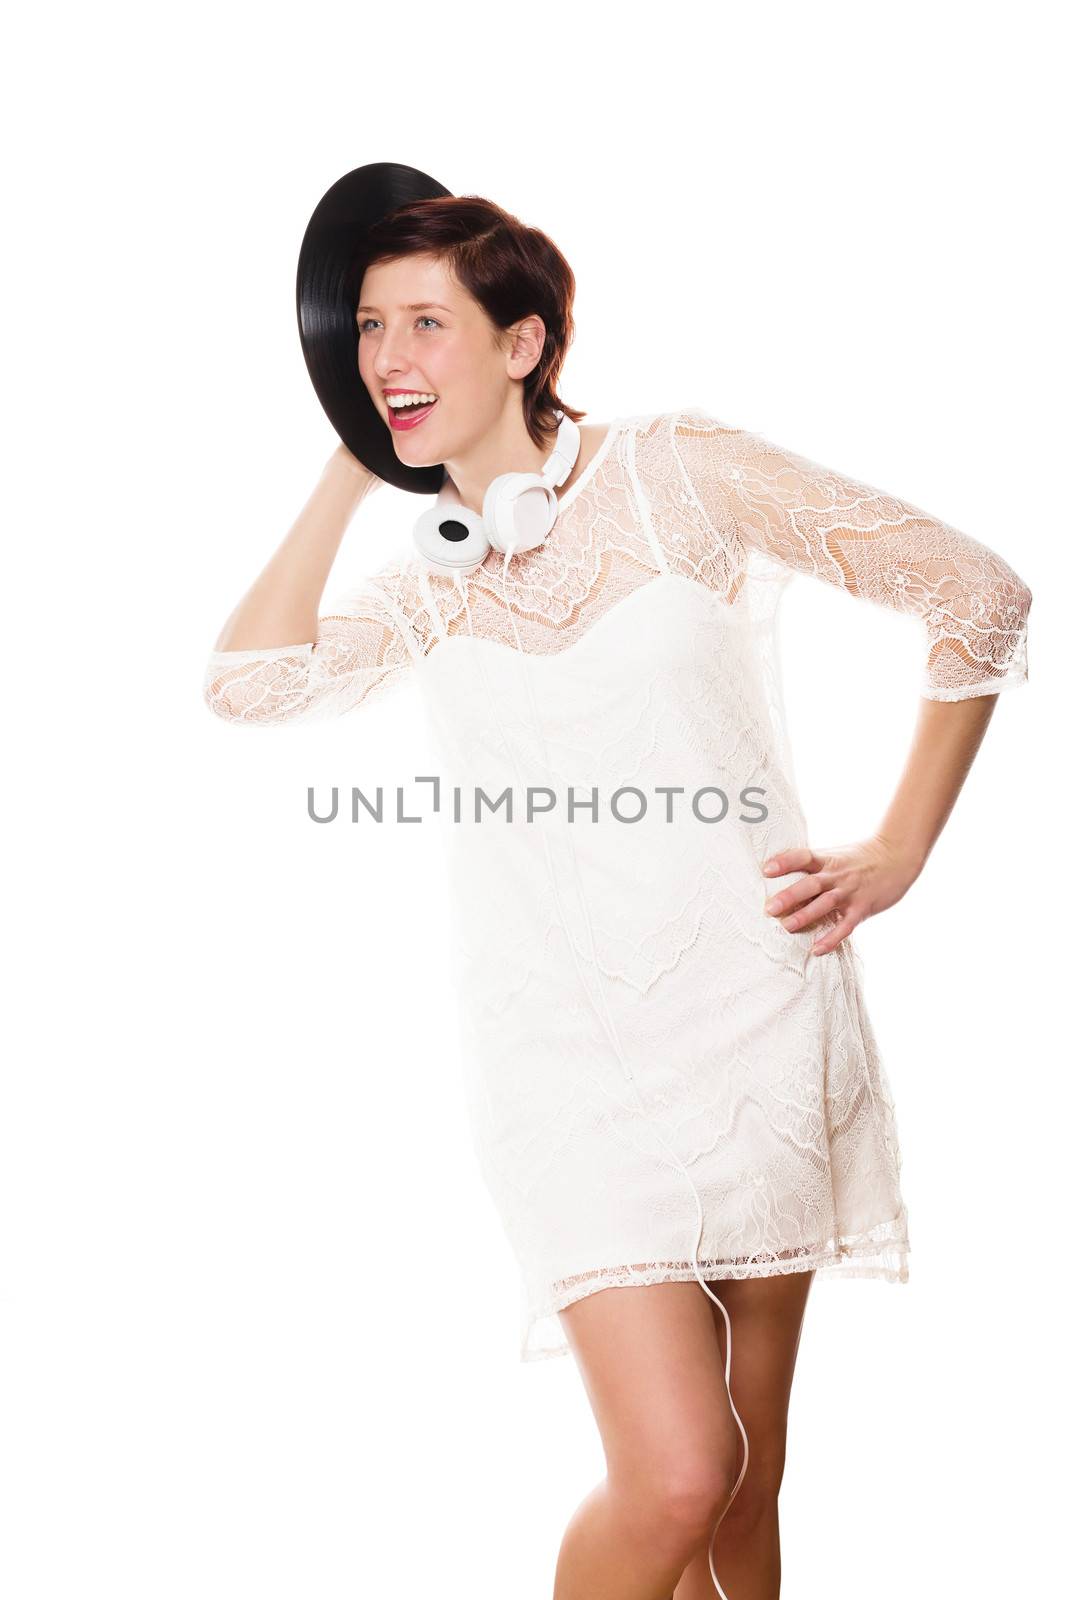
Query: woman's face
[{"x": 420, "y": 331}]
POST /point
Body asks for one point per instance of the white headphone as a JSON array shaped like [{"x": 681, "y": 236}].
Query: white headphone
[{"x": 519, "y": 511}]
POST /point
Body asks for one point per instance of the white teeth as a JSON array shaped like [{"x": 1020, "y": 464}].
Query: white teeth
[{"x": 398, "y": 401}]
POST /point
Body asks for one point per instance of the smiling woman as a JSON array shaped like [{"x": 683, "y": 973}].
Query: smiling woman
[
  {"x": 668, "y": 1085},
  {"x": 444, "y": 286}
]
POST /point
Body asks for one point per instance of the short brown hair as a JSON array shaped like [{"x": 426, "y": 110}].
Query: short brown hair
[{"x": 511, "y": 270}]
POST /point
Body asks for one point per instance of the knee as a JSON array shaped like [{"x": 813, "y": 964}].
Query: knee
[
  {"x": 757, "y": 1497},
  {"x": 689, "y": 1498}
]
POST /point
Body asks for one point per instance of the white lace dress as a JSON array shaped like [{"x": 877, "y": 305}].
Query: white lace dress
[{"x": 662, "y": 1081}]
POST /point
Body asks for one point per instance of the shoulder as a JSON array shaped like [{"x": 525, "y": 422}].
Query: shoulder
[
  {"x": 390, "y": 591},
  {"x": 665, "y": 441},
  {"x": 594, "y": 433},
  {"x": 684, "y": 419},
  {"x": 694, "y": 418}
]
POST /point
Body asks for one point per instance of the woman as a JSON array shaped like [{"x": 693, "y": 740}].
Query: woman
[{"x": 649, "y": 1022}]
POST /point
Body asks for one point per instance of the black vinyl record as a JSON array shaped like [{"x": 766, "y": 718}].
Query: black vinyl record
[{"x": 328, "y": 276}]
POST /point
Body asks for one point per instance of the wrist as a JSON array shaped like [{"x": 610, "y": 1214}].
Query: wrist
[
  {"x": 911, "y": 853},
  {"x": 350, "y": 466}
]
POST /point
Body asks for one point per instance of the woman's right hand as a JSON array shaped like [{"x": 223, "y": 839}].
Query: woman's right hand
[{"x": 353, "y": 465}]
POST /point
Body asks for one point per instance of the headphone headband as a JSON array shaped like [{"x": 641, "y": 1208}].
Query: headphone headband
[{"x": 560, "y": 464}]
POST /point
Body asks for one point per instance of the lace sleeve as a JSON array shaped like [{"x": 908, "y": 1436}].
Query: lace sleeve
[
  {"x": 973, "y": 605},
  {"x": 359, "y": 651}
]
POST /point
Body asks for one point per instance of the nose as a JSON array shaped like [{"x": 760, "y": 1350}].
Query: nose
[{"x": 390, "y": 357}]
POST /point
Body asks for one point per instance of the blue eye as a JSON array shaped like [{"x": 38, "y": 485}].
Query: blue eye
[{"x": 366, "y": 320}]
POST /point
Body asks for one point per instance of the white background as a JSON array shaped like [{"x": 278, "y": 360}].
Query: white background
[{"x": 253, "y": 1340}]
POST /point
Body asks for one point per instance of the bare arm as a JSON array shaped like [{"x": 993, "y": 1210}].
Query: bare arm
[
  {"x": 947, "y": 739},
  {"x": 282, "y": 606},
  {"x": 276, "y": 659}
]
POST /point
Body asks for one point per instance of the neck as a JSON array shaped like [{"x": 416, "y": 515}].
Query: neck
[{"x": 506, "y": 447}]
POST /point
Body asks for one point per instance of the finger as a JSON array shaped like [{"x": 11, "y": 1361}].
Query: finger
[
  {"x": 794, "y": 860},
  {"x": 829, "y": 941},
  {"x": 832, "y": 900},
  {"x": 786, "y": 900}
]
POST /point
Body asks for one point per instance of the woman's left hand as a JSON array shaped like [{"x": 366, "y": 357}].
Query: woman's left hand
[{"x": 853, "y": 882}]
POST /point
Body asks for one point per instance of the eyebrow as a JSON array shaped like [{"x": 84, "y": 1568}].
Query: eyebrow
[{"x": 422, "y": 305}]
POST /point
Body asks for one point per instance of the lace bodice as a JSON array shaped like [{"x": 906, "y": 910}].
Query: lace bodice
[{"x": 669, "y": 493}]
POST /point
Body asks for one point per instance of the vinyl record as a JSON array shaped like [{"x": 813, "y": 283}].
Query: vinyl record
[{"x": 328, "y": 276}]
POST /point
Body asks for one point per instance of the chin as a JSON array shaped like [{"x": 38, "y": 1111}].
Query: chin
[{"x": 411, "y": 457}]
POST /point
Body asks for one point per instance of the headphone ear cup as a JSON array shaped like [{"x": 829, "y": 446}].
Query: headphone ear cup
[
  {"x": 452, "y": 537},
  {"x": 520, "y": 510}
]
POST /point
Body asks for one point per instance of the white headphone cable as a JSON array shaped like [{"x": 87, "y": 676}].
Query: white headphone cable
[{"x": 604, "y": 1014}]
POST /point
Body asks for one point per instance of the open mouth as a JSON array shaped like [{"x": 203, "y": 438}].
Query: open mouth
[{"x": 403, "y": 417}]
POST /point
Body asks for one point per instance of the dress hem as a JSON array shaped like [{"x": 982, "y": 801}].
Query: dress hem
[{"x": 846, "y": 1260}]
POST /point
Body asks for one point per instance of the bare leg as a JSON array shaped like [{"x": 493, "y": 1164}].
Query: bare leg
[
  {"x": 653, "y": 1370},
  {"x": 766, "y": 1316}
]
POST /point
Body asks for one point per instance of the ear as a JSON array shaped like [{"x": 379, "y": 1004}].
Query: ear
[{"x": 527, "y": 342}]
